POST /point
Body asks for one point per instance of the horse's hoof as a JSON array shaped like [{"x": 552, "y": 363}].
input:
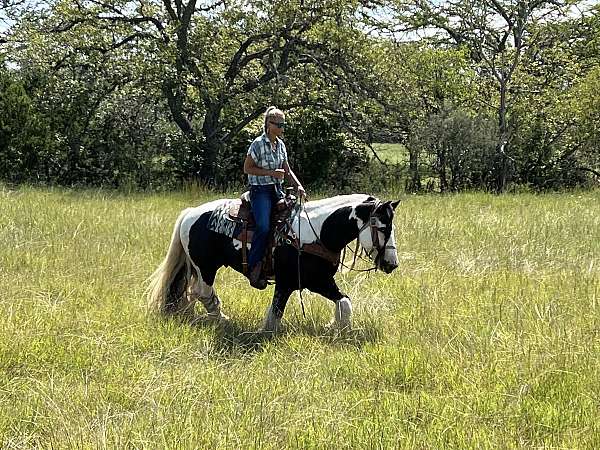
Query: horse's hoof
[
  {"x": 207, "y": 319},
  {"x": 338, "y": 327},
  {"x": 220, "y": 317},
  {"x": 269, "y": 331}
]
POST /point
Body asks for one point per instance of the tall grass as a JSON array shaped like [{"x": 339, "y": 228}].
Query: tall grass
[{"x": 487, "y": 335}]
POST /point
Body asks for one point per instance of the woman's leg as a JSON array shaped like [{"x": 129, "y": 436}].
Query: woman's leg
[{"x": 261, "y": 198}]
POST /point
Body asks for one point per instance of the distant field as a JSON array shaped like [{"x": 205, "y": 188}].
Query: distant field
[
  {"x": 487, "y": 336},
  {"x": 392, "y": 153}
]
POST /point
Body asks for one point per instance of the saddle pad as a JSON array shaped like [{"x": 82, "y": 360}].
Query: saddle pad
[{"x": 221, "y": 223}]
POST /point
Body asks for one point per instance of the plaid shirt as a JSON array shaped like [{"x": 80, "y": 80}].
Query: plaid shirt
[{"x": 266, "y": 158}]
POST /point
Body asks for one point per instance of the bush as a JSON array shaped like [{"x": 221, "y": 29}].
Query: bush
[
  {"x": 542, "y": 163},
  {"x": 24, "y": 135},
  {"x": 320, "y": 153},
  {"x": 459, "y": 147}
]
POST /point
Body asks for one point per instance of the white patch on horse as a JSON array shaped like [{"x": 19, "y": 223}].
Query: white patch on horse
[
  {"x": 192, "y": 216},
  {"x": 365, "y": 238},
  {"x": 238, "y": 244},
  {"x": 342, "y": 316},
  {"x": 271, "y": 323},
  {"x": 199, "y": 288},
  {"x": 391, "y": 253},
  {"x": 318, "y": 211}
]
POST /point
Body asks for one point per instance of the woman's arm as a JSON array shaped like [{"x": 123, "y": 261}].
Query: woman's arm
[
  {"x": 251, "y": 168},
  {"x": 291, "y": 176}
]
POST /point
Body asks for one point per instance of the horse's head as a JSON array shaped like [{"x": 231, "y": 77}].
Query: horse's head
[{"x": 376, "y": 232}]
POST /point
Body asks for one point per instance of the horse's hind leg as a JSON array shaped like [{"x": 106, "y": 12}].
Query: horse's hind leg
[
  {"x": 178, "y": 302},
  {"x": 207, "y": 296}
]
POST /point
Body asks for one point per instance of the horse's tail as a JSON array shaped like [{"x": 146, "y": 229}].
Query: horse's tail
[{"x": 167, "y": 284}]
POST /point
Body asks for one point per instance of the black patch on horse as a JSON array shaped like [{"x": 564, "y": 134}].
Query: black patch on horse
[{"x": 338, "y": 229}]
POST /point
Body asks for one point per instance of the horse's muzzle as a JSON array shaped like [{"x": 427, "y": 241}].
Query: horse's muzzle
[{"x": 387, "y": 267}]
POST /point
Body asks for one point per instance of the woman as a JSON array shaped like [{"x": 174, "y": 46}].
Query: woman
[{"x": 266, "y": 165}]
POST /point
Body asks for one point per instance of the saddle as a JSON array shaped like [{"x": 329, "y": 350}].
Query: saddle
[{"x": 241, "y": 212}]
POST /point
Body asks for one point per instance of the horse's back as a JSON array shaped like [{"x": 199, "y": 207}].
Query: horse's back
[{"x": 194, "y": 214}]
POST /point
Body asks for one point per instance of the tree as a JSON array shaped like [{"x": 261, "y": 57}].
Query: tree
[
  {"x": 23, "y": 133},
  {"x": 553, "y": 118},
  {"x": 497, "y": 34},
  {"x": 218, "y": 64}
]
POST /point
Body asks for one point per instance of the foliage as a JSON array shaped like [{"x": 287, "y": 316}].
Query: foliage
[
  {"x": 322, "y": 154},
  {"x": 587, "y": 111},
  {"x": 460, "y": 147},
  {"x": 498, "y": 35},
  {"x": 151, "y": 94},
  {"x": 25, "y": 144},
  {"x": 318, "y": 151},
  {"x": 555, "y": 123}
]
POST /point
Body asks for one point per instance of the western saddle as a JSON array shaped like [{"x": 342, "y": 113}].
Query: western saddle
[
  {"x": 241, "y": 212},
  {"x": 281, "y": 232}
]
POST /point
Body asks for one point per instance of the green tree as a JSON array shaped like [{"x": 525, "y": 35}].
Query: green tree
[
  {"x": 23, "y": 133},
  {"x": 497, "y": 34},
  {"x": 553, "y": 119},
  {"x": 218, "y": 65}
]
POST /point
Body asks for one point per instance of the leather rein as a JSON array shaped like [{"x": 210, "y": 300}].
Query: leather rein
[
  {"x": 317, "y": 248},
  {"x": 380, "y": 249}
]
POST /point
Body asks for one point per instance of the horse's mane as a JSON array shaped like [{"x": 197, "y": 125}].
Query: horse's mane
[
  {"x": 317, "y": 211},
  {"x": 333, "y": 203}
]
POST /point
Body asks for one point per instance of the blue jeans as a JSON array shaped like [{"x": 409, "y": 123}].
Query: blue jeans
[{"x": 262, "y": 199}]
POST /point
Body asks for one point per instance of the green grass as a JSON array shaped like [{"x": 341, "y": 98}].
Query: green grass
[
  {"x": 391, "y": 153},
  {"x": 487, "y": 336}
]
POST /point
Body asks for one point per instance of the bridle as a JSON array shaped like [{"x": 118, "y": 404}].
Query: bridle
[
  {"x": 380, "y": 249},
  {"x": 371, "y": 222}
]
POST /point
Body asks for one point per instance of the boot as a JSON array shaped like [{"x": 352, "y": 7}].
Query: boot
[{"x": 256, "y": 279}]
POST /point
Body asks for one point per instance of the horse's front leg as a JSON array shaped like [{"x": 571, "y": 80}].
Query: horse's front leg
[
  {"x": 272, "y": 322},
  {"x": 342, "y": 316}
]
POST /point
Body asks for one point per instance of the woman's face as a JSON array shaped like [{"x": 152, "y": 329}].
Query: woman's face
[{"x": 273, "y": 124}]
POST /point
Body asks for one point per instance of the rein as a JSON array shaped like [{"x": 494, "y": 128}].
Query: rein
[
  {"x": 375, "y": 237},
  {"x": 299, "y": 252},
  {"x": 356, "y": 255},
  {"x": 371, "y": 222},
  {"x": 326, "y": 253}
]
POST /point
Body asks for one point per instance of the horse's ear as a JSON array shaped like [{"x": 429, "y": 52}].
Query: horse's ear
[{"x": 394, "y": 204}]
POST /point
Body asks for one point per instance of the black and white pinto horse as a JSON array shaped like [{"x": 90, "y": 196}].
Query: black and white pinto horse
[{"x": 196, "y": 253}]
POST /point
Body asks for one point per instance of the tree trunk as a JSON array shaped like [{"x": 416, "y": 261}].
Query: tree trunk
[
  {"x": 441, "y": 154},
  {"x": 212, "y": 144},
  {"x": 501, "y": 169},
  {"x": 501, "y": 164},
  {"x": 414, "y": 182}
]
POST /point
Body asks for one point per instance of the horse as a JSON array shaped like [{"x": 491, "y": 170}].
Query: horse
[{"x": 197, "y": 252}]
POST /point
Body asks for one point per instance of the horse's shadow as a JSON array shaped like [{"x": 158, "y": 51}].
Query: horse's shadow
[{"x": 235, "y": 336}]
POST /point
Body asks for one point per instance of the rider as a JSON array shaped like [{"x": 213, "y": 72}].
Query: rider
[{"x": 266, "y": 165}]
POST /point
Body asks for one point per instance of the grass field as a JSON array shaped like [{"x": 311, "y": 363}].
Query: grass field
[
  {"x": 487, "y": 336},
  {"x": 391, "y": 153}
]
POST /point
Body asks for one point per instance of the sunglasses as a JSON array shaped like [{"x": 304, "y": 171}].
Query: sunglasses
[{"x": 278, "y": 124}]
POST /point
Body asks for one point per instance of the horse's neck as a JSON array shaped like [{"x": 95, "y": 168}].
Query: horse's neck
[{"x": 329, "y": 220}]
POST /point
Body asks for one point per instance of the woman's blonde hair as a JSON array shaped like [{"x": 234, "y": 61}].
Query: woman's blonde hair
[{"x": 271, "y": 112}]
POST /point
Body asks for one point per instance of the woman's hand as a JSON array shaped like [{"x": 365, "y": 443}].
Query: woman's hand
[
  {"x": 301, "y": 191},
  {"x": 279, "y": 174}
]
